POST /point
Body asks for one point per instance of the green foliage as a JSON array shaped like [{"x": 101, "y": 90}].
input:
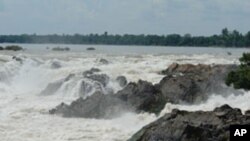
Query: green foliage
[
  {"x": 225, "y": 39},
  {"x": 241, "y": 77},
  {"x": 13, "y": 47}
]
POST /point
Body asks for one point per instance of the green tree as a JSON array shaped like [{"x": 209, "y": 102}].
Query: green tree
[{"x": 241, "y": 77}]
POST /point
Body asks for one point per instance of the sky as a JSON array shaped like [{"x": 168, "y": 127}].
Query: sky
[{"x": 197, "y": 17}]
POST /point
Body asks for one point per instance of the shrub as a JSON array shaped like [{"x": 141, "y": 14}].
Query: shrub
[{"x": 241, "y": 77}]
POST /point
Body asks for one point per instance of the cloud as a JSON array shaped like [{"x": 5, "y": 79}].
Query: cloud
[{"x": 119, "y": 16}]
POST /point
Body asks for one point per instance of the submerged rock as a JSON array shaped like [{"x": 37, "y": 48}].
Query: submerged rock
[
  {"x": 192, "y": 126},
  {"x": 91, "y": 71},
  {"x": 104, "y": 61},
  {"x": 122, "y": 81}
]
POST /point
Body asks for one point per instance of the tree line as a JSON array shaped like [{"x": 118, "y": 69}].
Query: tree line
[{"x": 225, "y": 39}]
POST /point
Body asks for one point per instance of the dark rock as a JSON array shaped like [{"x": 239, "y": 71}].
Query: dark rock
[
  {"x": 192, "y": 126},
  {"x": 194, "y": 83},
  {"x": 95, "y": 106},
  {"x": 1, "y": 48},
  {"x": 91, "y": 49},
  {"x": 91, "y": 71},
  {"x": 122, "y": 81},
  {"x": 143, "y": 96},
  {"x": 61, "y": 49},
  {"x": 13, "y": 48},
  {"x": 104, "y": 61},
  {"x": 101, "y": 78},
  {"x": 247, "y": 113},
  {"x": 18, "y": 59},
  {"x": 187, "y": 83},
  {"x": 134, "y": 97}
]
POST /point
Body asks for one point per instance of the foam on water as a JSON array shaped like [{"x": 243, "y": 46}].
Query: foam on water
[{"x": 24, "y": 112}]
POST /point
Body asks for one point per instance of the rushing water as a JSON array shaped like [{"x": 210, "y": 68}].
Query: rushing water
[{"x": 24, "y": 111}]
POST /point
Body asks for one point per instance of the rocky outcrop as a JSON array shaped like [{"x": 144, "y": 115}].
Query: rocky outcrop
[
  {"x": 135, "y": 97},
  {"x": 193, "y": 126},
  {"x": 194, "y": 83},
  {"x": 183, "y": 84},
  {"x": 96, "y": 106}
]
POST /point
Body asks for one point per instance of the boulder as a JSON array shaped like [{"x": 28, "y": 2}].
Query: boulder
[
  {"x": 135, "y": 97},
  {"x": 122, "y": 81},
  {"x": 96, "y": 106},
  {"x": 91, "y": 71},
  {"x": 90, "y": 49},
  {"x": 143, "y": 97},
  {"x": 104, "y": 61},
  {"x": 193, "y": 126},
  {"x": 195, "y": 83}
]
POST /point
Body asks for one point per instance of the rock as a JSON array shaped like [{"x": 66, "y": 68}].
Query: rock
[
  {"x": 61, "y": 49},
  {"x": 189, "y": 84},
  {"x": 122, "y": 81},
  {"x": 247, "y": 113},
  {"x": 56, "y": 65},
  {"x": 194, "y": 83},
  {"x": 18, "y": 59},
  {"x": 104, "y": 61},
  {"x": 192, "y": 126},
  {"x": 101, "y": 78},
  {"x": 91, "y": 71},
  {"x": 13, "y": 48},
  {"x": 96, "y": 106},
  {"x": 1, "y": 48},
  {"x": 90, "y": 49},
  {"x": 141, "y": 97}
]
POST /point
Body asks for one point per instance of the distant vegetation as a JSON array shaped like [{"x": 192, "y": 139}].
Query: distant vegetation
[
  {"x": 225, "y": 39},
  {"x": 11, "y": 47},
  {"x": 241, "y": 77}
]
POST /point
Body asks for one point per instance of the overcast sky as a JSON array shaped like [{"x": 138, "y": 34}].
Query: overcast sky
[{"x": 198, "y": 17}]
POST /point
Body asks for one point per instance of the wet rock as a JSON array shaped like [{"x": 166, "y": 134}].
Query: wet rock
[
  {"x": 90, "y": 49},
  {"x": 188, "y": 84},
  {"x": 101, "y": 78},
  {"x": 137, "y": 97},
  {"x": 194, "y": 83},
  {"x": 96, "y": 106},
  {"x": 18, "y": 59},
  {"x": 192, "y": 126},
  {"x": 91, "y": 71},
  {"x": 61, "y": 49},
  {"x": 122, "y": 81},
  {"x": 104, "y": 61},
  {"x": 142, "y": 96},
  {"x": 13, "y": 48},
  {"x": 56, "y": 65}
]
